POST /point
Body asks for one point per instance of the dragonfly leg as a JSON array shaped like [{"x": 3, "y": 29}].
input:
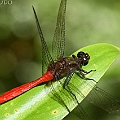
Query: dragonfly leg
[
  {"x": 67, "y": 88},
  {"x": 87, "y": 72},
  {"x": 67, "y": 80},
  {"x": 82, "y": 75}
]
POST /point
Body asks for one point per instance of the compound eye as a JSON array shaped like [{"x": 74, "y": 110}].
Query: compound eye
[
  {"x": 80, "y": 54},
  {"x": 83, "y": 57},
  {"x": 86, "y": 59},
  {"x": 87, "y": 56}
]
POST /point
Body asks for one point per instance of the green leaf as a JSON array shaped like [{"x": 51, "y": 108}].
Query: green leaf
[{"x": 36, "y": 104}]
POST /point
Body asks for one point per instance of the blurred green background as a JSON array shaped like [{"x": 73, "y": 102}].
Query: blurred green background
[{"x": 87, "y": 22}]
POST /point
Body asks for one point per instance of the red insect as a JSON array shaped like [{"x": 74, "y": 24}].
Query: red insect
[
  {"x": 56, "y": 69},
  {"x": 65, "y": 67}
]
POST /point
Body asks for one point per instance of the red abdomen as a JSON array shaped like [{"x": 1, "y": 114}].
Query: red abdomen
[{"x": 48, "y": 76}]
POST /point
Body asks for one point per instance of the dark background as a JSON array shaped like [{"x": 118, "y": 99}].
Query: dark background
[{"x": 87, "y": 22}]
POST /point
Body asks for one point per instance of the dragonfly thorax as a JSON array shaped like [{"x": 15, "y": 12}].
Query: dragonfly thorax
[{"x": 66, "y": 65}]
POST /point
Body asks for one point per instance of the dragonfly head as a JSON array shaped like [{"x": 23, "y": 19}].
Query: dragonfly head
[{"x": 83, "y": 58}]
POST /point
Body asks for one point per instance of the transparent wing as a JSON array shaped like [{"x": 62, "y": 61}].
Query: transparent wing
[
  {"x": 46, "y": 57},
  {"x": 58, "y": 44},
  {"x": 104, "y": 100},
  {"x": 67, "y": 98},
  {"x": 80, "y": 112}
]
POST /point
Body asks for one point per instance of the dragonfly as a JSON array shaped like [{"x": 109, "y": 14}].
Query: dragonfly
[{"x": 58, "y": 67}]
